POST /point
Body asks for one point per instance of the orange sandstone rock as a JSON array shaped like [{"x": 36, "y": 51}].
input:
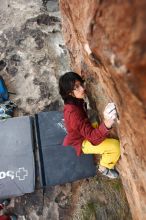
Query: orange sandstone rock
[{"x": 115, "y": 33}]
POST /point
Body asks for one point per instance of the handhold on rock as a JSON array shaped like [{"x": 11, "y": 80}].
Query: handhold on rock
[
  {"x": 96, "y": 60},
  {"x": 93, "y": 57},
  {"x": 87, "y": 49}
]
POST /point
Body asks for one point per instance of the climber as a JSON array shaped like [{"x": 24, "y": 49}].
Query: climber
[{"x": 81, "y": 134}]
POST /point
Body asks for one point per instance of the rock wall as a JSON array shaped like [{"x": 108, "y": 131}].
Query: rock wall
[
  {"x": 115, "y": 32},
  {"x": 32, "y": 57}
]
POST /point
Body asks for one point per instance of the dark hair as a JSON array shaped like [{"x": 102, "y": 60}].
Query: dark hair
[{"x": 66, "y": 85}]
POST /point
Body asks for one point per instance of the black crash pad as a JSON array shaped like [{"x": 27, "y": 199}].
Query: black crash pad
[
  {"x": 58, "y": 164},
  {"x": 17, "y": 172}
]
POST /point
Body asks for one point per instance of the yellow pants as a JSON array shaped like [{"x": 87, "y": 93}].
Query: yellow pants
[{"x": 109, "y": 149}]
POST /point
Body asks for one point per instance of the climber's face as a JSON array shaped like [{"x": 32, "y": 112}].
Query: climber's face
[{"x": 79, "y": 90}]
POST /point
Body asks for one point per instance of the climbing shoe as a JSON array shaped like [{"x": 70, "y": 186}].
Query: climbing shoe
[{"x": 110, "y": 173}]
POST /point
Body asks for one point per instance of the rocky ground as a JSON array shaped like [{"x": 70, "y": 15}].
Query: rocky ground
[
  {"x": 32, "y": 57},
  {"x": 89, "y": 199}
]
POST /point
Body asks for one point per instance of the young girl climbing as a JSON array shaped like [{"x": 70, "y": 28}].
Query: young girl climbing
[{"x": 81, "y": 134}]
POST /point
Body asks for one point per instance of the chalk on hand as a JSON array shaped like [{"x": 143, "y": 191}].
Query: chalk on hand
[{"x": 112, "y": 105}]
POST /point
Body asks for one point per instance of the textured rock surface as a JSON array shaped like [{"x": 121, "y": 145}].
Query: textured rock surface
[
  {"x": 32, "y": 53},
  {"x": 32, "y": 57},
  {"x": 115, "y": 32}
]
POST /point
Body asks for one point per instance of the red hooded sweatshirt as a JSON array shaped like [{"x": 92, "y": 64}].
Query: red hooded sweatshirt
[
  {"x": 4, "y": 217},
  {"x": 79, "y": 127}
]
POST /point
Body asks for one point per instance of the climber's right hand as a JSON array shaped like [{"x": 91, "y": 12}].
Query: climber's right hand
[{"x": 110, "y": 115}]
